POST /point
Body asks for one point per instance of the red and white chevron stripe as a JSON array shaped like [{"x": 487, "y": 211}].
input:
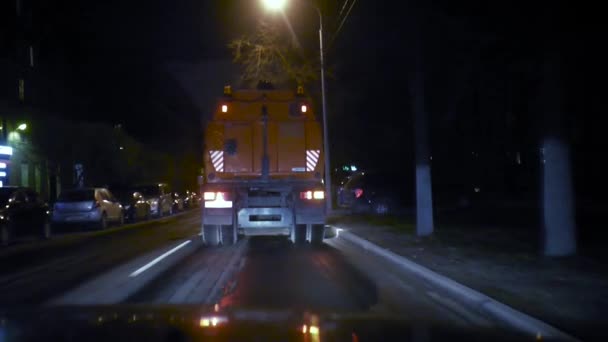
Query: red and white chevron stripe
[
  {"x": 312, "y": 158},
  {"x": 217, "y": 159}
]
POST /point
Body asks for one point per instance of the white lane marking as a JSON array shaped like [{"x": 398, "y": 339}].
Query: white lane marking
[{"x": 157, "y": 260}]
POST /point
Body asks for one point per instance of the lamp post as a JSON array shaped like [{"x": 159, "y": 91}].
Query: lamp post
[{"x": 278, "y": 5}]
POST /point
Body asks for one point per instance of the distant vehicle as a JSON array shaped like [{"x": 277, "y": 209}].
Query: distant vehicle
[
  {"x": 178, "y": 202},
  {"x": 374, "y": 193},
  {"x": 87, "y": 205},
  {"x": 159, "y": 197},
  {"x": 263, "y": 167},
  {"x": 191, "y": 200},
  {"x": 22, "y": 212},
  {"x": 134, "y": 205}
]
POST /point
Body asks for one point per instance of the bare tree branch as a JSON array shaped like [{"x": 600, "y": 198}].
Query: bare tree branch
[{"x": 269, "y": 55}]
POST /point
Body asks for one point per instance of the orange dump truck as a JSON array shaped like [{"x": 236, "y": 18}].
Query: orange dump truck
[{"x": 263, "y": 168}]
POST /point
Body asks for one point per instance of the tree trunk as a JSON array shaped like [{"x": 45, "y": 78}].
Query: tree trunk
[
  {"x": 559, "y": 238},
  {"x": 424, "y": 195}
]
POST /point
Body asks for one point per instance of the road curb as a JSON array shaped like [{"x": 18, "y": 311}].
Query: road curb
[{"x": 491, "y": 307}]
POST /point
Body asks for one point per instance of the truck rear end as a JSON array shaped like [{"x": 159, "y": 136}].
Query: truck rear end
[{"x": 263, "y": 168}]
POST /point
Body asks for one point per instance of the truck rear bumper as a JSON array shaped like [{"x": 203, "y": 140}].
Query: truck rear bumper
[
  {"x": 264, "y": 231},
  {"x": 265, "y": 221},
  {"x": 265, "y": 218}
]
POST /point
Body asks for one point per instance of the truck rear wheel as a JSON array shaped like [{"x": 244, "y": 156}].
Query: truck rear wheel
[
  {"x": 316, "y": 234},
  {"x": 229, "y": 235},
  {"x": 211, "y": 235},
  {"x": 299, "y": 236}
]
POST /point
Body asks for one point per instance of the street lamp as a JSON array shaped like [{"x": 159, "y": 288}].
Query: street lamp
[
  {"x": 275, "y": 5},
  {"x": 278, "y": 5},
  {"x": 22, "y": 127}
]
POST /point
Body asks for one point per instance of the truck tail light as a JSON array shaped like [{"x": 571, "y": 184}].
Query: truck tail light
[
  {"x": 306, "y": 195},
  {"x": 310, "y": 195},
  {"x": 216, "y": 200}
]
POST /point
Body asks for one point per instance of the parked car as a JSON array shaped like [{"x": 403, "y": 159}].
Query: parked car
[
  {"x": 190, "y": 199},
  {"x": 87, "y": 205},
  {"x": 133, "y": 203},
  {"x": 374, "y": 193},
  {"x": 22, "y": 212},
  {"x": 159, "y": 197},
  {"x": 178, "y": 202}
]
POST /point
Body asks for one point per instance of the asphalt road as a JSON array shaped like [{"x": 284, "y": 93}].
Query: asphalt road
[
  {"x": 33, "y": 272},
  {"x": 163, "y": 262},
  {"x": 270, "y": 274}
]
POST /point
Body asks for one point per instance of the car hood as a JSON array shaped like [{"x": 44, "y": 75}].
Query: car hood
[{"x": 160, "y": 323}]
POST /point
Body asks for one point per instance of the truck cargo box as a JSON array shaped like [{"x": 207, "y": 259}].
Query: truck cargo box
[{"x": 235, "y": 137}]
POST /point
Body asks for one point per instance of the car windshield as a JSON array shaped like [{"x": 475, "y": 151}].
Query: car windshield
[
  {"x": 79, "y": 195},
  {"x": 5, "y": 194}
]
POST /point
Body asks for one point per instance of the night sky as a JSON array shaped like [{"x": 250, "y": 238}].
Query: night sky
[{"x": 151, "y": 66}]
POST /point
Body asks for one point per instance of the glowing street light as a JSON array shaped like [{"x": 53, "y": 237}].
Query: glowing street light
[
  {"x": 274, "y": 5},
  {"x": 22, "y": 127}
]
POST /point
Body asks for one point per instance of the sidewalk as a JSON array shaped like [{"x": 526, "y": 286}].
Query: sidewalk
[{"x": 505, "y": 264}]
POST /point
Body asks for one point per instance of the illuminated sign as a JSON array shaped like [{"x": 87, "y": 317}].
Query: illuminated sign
[
  {"x": 6, "y": 150},
  {"x": 2, "y": 165},
  {"x": 2, "y": 174}
]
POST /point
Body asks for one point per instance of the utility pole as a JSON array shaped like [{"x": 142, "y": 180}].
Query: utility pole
[{"x": 328, "y": 190}]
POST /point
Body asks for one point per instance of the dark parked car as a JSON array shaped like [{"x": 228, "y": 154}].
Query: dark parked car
[
  {"x": 190, "y": 199},
  {"x": 134, "y": 205},
  {"x": 178, "y": 202},
  {"x": 159, "y": 197},
  {"x": 374, "y": 193},
  {"x": 22, "y": 212}
]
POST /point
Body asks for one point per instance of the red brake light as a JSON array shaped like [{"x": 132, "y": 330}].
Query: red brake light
[
  {"x": 309, "y": 195},
  {"x": 304, "y": 108},
  {"x": 306, "y": 195},
  {"x": 358, "y": 193}
]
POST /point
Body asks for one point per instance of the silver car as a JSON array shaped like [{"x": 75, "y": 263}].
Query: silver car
[
  {"x": 87, "y": 205},
  {"x": 159, "y": 197}
]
